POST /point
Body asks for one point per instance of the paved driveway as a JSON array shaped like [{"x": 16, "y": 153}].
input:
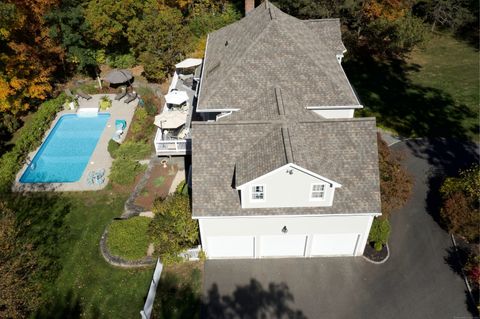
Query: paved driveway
[{"x": 415, "y": 282}]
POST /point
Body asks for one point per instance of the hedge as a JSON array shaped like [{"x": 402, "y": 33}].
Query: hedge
[{"x": 30, "y": 138}]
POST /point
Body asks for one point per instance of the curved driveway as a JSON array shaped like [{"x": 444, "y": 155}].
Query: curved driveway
[{"x": 415, "y": 282}]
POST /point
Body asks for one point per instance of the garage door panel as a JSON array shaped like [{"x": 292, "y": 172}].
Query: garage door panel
[
  {"x": 334, "y": 244},
  {"x": 283, "y": 246},
  {"x": 231, "y": 247}
]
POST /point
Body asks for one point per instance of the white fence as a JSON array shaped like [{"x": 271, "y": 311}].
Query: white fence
[{"x": 146, "y": 313}]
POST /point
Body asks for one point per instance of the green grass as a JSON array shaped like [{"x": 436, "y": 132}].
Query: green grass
[
  {"x": 434, "y": 93},
  {"x": 128, "y": 238},
  {"x": 451, "y": 66},
  {"x": 85, "y": 284},
  {"x": 159, "y": 181}
]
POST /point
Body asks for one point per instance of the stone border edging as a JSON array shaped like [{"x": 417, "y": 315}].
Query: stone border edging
[
  {"x": 118, "y": 261},
  {"x": 130, "y": 209},
  {"x": 379, "y": 262}
]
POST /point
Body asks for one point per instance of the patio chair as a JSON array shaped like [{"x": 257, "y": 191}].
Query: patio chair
[
  {"x": 120, "y": 124},
  {"x": 131, "y": 97},
  {"x": 121, "y": 94},
  {"x": 84, "y": 95}
]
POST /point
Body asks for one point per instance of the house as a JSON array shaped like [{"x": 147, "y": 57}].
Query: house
[{"x": 280, "y": 168}]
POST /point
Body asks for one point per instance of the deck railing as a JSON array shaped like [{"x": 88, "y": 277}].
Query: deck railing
[{"x": 170, "y": 146}]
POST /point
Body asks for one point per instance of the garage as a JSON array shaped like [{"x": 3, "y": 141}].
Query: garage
[
  {"x": 334, "y": 244},
  {"x": 231, "y": 247},
  {"x": 283, "y": 246}
]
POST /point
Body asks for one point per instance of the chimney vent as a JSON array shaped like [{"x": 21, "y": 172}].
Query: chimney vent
[{"x": 249, "y": 6}]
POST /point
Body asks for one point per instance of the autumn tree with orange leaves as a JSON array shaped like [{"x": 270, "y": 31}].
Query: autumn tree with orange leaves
[{"x": 28, "y": 55}]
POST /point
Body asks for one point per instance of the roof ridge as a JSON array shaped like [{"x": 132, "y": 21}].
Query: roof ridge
[{"x": 232, "y": 67}]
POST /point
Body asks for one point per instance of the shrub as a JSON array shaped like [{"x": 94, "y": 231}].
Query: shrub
[
  {"x": 142, "y": 126},
  {"x": 149, "y": 101},
  {"x": 173, "y": 230},
  {"x": 29, "y": 138},
  {"x": 460, "y": 209},
  {"x": 112, "y": 148},
  {"x": 379, "y": 232},
  {"x": 121, "y": 61},
  {"x": 133, "y": 150},
  {"x": 153, "y": 67},
  {"x": 124, "y": 171},
  {"x": 182, "y": 188},
  {"x": 129, "y": 238},
  {"x": 395, "y": 183}
]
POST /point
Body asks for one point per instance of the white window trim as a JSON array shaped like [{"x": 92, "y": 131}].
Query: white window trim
[
  {"x": 315, "y": 199},
  {"x": 264, "y": 193}
]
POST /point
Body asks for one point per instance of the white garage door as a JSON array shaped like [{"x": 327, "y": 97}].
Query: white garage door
[
  {"x": 334, "y": 244},
  {"x": 230, "y": 246},
  {"x": 283, "y": 246}
]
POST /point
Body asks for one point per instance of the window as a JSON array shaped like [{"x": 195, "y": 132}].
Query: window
[
  {"x": 258, "y": 192},
  {"x": 318, "y": 192}
]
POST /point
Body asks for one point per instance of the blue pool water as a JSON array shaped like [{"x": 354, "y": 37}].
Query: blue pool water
[{"x": 63, "y": 156}]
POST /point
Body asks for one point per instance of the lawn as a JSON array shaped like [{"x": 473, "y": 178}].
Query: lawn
[
  {"x": 129, "y": 238},
  {"x": 435, "y": 92},
  {"x": 84, "y": 285}
]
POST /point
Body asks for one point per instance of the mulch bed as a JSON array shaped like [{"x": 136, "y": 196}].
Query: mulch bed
[
  {"x": 373, "y": 255},
  {"x": 157, "y": 185}
]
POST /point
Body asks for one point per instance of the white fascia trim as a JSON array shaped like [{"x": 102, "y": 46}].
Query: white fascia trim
[
  {"x": 303, "y": 170},
  {"x": 288, "y": 216},
  {"x": 333, "y": 107},
  {"x": 218, "y": 110},
  {"x": 203, "y": 69}
]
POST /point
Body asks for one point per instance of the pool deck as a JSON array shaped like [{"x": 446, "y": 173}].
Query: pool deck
[{"x": 100, "y": 158}]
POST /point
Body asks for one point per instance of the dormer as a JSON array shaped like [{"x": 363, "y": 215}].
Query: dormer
[{"x": 267, "y": 177}]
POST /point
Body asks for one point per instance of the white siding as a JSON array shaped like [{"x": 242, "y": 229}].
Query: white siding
[
  {"x": 286, "y": 190},
  {"x": 336, "y": 114},
  {"x": 305, "y": 226}
]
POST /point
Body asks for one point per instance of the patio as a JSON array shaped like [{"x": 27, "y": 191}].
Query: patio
[{"x": 100, "y": 159}]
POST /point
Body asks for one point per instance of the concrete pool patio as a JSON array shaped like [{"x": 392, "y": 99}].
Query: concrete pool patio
[{"x": 100, "y": 158}]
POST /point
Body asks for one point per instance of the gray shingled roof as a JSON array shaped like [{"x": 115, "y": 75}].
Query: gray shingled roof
[
  {"x": 329, "y": 30},
  {"x": 262, "y": 157},
  {"x": 246, "y": 61},
  {"x": 344, "y": 150}
]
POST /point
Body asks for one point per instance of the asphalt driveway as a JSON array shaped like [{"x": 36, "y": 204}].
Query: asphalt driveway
[{"x": 416, "y": 281}]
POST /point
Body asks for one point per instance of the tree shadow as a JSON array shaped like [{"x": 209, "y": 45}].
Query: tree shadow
[
  {"x": 67, "y": 306},
  {"x": 412, "y": 110},
  {"x": 40, "y": 220},
  {"x": 445, "y": 157},
  {"x": 177, "y": 299},
  {"x": 456, "y": 259},
  {"x": 251, "y": 301}
]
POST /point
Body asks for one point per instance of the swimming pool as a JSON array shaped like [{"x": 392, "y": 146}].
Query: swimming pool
[{"x": 63, "y": 156}]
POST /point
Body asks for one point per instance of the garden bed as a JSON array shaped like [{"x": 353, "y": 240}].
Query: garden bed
[
  {"x": 158, "y": 185},
  {"x": 376, "y": 256}
]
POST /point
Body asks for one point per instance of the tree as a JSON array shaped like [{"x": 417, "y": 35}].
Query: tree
[
  {"x": 159, "y": 38},
  {"x": 448, "y": 13},
  {"x": 461, "y": 198},
  {"x": 173, "y": 230},
  {"x": 110, "y": 19},
  {"x": 68, "y": 27},
  {"x": 28, "y": 55}
]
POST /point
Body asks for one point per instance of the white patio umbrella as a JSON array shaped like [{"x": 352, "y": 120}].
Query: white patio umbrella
[
  {"x": 176, "y": 97},
  {"x": 188, "y": 63},
  {"x": 171, "y": 119}
]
